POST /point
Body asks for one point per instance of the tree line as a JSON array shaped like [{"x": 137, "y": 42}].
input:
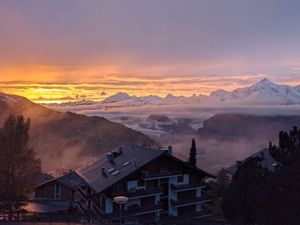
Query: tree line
[{"x": 256, "y": 195}]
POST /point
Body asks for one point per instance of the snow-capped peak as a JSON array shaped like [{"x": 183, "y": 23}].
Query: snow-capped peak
[
  {"x": 262, "y": 92},
  {"x": 218, "y": 93},
  {"x": 266, "y": 81},
  {"x": 169, "y": 97},
  {"x": 119, "y": 97}
]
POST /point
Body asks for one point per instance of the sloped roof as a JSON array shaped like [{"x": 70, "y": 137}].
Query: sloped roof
[
  {"x": 132, "y": 158},
  {"x": 196, "y": 169},
  {"x": 71, "y": 180},
  {"x": 267, "y": 161}
]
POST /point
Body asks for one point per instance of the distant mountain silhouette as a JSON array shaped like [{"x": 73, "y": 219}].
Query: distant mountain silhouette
[
  {"x": 237, "y": 126},
  {"x": 68, "y": 140},
  {"x": 227, "y": 138}
]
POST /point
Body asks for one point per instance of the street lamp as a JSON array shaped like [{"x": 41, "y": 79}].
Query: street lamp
[{"x": 120, "y": 200}]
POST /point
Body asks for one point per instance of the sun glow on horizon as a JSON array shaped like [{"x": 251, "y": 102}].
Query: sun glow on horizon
[
  {"x": 51, "y": 85},
  {"x": 59, "y": 93}
]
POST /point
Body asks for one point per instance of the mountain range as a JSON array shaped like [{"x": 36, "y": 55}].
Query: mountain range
[
  {"x": 226, "y": 138},
  {"x": 264, "y": 92},
  {"x": 67, "y": 139}
]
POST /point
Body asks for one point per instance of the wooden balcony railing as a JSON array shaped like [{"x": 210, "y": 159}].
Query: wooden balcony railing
[
  {"x": 191, "y": 201},
  {"x": 136, "y": 211},
  {"x": 144, "y": 209},
  {"x": 140, "y": 192},
  {"x": 183, "y": 187},
  {"x": 164, "y": 173}
]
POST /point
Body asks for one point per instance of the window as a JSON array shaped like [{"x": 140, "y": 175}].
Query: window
[
  {"x": 180, "y": 179},
  {"x": 57, "y": 191}
]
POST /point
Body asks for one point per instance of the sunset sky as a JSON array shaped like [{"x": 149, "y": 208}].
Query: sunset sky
[{"x": 68, "y": 50}]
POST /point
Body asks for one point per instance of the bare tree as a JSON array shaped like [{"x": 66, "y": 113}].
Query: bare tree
[{"x": 18, "y": 164}]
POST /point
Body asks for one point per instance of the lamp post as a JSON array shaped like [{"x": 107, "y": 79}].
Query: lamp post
[{"x": 120, "y": 200}]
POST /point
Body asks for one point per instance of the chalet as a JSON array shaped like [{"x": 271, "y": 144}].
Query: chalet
[
  {"x": 265, "y": 158},
  {"x": 61, "y": 188},
  {"x": 154, "y": 182}
]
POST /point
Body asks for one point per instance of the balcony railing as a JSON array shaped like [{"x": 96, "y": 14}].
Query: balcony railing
[
  {"x": 140, "y": 192},
  {"x": 137, "y": 211},
  {"x": 191, "y": 201},
  {"x": 144, "y": 209},
  {"x": 163, "y": 173},
  {"x": 183, "y": 187}
]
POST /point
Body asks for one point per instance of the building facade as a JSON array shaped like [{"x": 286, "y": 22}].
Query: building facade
[{"x": 155, "y": 183}]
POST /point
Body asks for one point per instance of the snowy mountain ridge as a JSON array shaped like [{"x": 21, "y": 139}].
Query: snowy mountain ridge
[{"x": 263, "y": 92}]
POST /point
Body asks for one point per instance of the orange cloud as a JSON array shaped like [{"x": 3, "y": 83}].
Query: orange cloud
[{"x": 47, "y": 92}]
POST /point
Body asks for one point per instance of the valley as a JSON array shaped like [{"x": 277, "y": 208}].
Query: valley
[{"x": 216, "y": 124}]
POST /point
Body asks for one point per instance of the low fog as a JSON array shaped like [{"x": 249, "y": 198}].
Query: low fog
[{"x": 176, "y": 125}]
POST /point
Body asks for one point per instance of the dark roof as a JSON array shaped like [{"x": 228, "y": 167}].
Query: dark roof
[
  {"x": 135, "y": 156},
  {"x": 71, "y": 180},
  {"x": 267, "y": 161},
  {"x": 132, "y": 158},
  {"x": 42, "y": 178},
  {"x": 196, "y": 169}
]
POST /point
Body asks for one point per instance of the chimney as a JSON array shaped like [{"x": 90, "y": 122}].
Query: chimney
[
  {"x": 109, "y": 157},
  {"x": 103, "y": 171},
  {"x": 262, "y": 155},
  {"x": 120, "y": 150},
  {"x": 170, "y": 150}
]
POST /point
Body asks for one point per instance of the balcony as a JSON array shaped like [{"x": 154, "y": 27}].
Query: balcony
[
  {"x": 144, "y": 210},
  {"x": 185, "y": 187},
  {"x": 191, "y": 201},
  {"x": 136, "y": 211},
  {"x": 140, "y": 193},
  {"x": 161, "y": 174}
]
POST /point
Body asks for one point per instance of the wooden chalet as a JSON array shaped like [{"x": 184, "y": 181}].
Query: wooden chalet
[{"x": 155, "y": 183}]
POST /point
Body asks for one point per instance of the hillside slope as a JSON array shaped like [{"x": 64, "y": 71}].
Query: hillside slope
[{"x": 68, "y": 140}]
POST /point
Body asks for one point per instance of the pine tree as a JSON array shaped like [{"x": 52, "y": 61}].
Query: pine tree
[
  {"x": 18, "y": 165},
  {"x": 193, "y": 152},
  {"x": 259, "y": 196},
  {"x": 286, "y": 177},
  {"x": 218, "y": 189},
  {"x": 242, "y": 201}
]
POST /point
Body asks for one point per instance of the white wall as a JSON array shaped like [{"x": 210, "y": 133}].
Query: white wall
[
  {"x": 157, "y": 199},
  {"x": 199, "y": 192},
  {"x": 108, "y": 205},
  {"x": 185, "y": 179},
  {"x": 198, "y": 207}
]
